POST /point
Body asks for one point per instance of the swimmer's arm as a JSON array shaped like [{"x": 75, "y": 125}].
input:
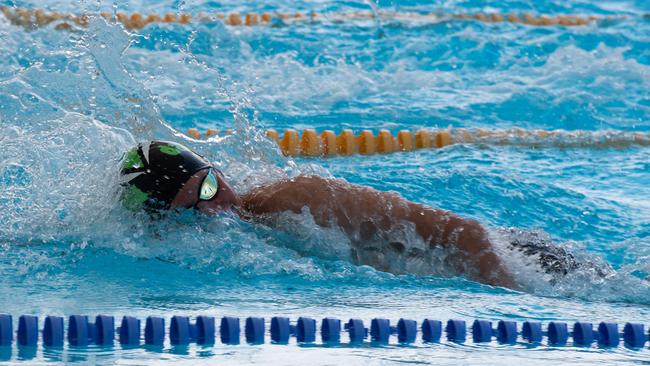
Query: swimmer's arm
[
  {"x": 354, "y": 207},
  {"x": 474, "y": 253}
]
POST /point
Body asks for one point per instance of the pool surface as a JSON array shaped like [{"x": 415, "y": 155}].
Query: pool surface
[{"x": 72, "y": 101}]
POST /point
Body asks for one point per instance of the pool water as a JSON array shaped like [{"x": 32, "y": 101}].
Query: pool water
[{"x": 71, "y": 102}]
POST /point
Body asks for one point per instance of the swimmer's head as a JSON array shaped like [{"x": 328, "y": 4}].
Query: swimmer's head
[{"x": 159, "y": 175}]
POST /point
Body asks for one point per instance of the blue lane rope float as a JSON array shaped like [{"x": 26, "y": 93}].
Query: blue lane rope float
[{"x": 182, "y": 331}]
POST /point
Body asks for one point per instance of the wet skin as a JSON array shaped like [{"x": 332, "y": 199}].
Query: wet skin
[{"x": 361, "y": 212}]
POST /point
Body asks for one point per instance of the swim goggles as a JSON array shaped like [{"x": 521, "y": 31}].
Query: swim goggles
[{"x": 209, "y": 186}]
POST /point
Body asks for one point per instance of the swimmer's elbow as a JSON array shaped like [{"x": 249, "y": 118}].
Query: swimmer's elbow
[{"x": 468, "y": 235}]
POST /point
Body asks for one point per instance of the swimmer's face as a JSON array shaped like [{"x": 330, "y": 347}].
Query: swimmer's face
[{"x": 225, "y": 199}]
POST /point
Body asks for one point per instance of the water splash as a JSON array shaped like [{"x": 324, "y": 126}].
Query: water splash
[{"x": 60, "y": 157}]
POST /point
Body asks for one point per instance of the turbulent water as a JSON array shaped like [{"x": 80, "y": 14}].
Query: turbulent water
[{"x": 71, "y": 102}]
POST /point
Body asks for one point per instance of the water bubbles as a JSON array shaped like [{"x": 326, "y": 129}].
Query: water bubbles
[{"x": 13, "y": 175}]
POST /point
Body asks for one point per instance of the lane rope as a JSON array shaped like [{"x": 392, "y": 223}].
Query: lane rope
[
  {"x": 34, "y": 18},
  {"x": 203, "y": 330},
  {"x": 309, "y": 142}
]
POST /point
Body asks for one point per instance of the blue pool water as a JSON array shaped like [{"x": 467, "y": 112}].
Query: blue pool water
[{"x": 72, "y": 102}]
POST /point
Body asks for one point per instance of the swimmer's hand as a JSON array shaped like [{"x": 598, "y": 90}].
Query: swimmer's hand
[{"x": 361, "y": 211}]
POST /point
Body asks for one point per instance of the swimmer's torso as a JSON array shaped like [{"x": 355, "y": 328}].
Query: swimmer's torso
[
  {"x": 378, "y": 239},
  {"x": 386, "y": 231}
]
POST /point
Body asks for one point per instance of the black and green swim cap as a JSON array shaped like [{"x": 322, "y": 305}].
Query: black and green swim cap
[{"x": 154, "y": 172}]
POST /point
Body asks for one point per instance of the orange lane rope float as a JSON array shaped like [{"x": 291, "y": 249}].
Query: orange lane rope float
[
  {"x": 328, "y": 143},
  {"x": 33, "y": 18}
]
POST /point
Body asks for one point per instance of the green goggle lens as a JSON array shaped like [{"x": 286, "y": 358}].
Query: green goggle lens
[{"x": 209, "y": 187}]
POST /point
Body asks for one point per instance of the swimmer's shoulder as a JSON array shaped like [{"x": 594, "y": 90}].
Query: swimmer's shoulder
[{"x": 291, "y": 194}]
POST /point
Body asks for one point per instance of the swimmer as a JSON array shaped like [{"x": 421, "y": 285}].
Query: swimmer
[{"x": 158, "y": 176}]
